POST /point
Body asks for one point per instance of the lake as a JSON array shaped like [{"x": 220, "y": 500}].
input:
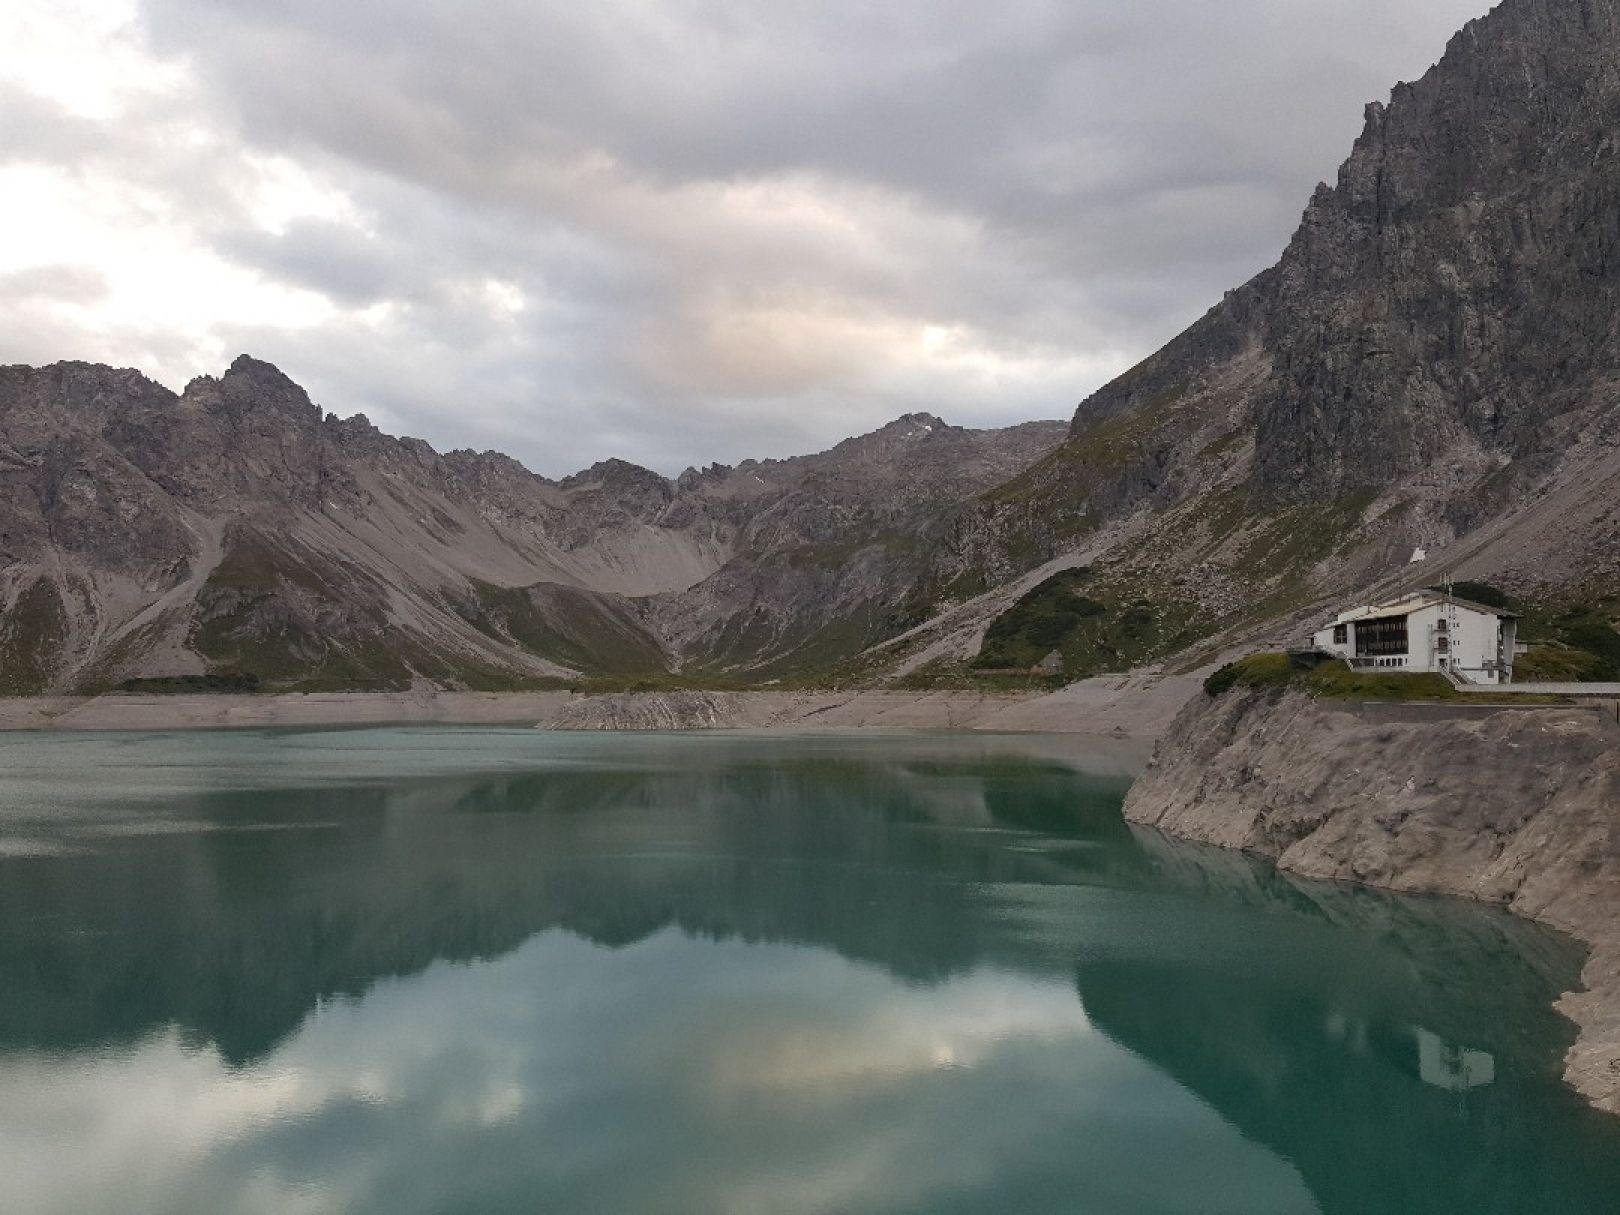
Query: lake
[{"x": 497, "y": 970}]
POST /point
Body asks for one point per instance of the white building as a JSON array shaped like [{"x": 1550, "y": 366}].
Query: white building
[{"x": 1427, "y": 631}]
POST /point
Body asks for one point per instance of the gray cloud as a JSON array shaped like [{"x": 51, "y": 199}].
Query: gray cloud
[
  {"x": 334, "y": 259},
  {"x": 701, "y": 230},
  {"x": 64, "y": 283}
]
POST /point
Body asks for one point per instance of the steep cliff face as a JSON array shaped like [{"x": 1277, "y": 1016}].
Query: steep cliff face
[
  {"x": 1433, "y": 362},
  {"x": 1451, "y": 299},
  {"x": 1511, "y": 806},
  {"x": 238, "y": 527}
]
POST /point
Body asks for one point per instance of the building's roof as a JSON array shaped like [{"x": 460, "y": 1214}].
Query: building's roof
[
  {"x": 1416, "y": 603},
  {"x": 1474, "y": 605}
]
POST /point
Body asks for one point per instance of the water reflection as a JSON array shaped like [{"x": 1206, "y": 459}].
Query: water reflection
[{"x": 675, "y": 975}]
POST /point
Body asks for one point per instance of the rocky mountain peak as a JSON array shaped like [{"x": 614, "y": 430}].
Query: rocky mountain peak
[
  {"x": 491, "y": 461},
  {"x": 693, "y": 479},
  {"x": 915, "y": 423},
  {"x": 252, "y": 387},
  {"x": 92, "y": 389},
  {"x": 901, "y": 434},
  {"x": 616, "y": 473},
  {"x": 910, "y": 427}
]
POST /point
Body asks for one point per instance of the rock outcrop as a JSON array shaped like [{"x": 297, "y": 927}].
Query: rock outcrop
[{"x": 1510, "y": 806}]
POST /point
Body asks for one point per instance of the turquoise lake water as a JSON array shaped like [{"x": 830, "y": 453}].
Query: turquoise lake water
[{"x": 436, "y": 970}]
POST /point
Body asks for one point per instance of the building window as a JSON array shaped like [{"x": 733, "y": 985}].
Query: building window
[
  {"x": 1341, "y": 634},
  {"x": 1383, "y": 637}
]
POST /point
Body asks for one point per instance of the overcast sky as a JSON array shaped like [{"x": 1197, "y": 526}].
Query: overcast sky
[{"x": 674, "y": 231}]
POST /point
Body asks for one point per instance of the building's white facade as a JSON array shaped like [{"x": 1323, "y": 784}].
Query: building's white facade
[{"x": 1426, "y": 632}]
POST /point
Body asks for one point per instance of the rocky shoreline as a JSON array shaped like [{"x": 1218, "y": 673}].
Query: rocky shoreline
[{"x": 1516, "y": 807}]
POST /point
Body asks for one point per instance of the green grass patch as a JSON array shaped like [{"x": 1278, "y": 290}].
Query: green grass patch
[
  {"x": 1337, "y": 681},
  {"x": 252, "y": 564},
  {"x": 1555, "y": 663},
  {"x": 1576, "y": 638},
  {"x": 1599, "y": 639},
  {"x": 1039, "y": 623},
  {"x": 573, "y": 627},
  {"x": 1097, "y": 625},
  {"x": 1255, "y": 671},
  {"x": 32, "y": 637}
]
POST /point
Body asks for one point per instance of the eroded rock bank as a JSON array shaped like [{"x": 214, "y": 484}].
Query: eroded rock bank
[
  {"x": 696, "y": 710},
  {"x": 1512, "y": 806}
]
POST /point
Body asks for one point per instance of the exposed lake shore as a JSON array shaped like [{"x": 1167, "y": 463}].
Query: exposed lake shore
[
  {"x": 1136, "y": 707},
  {"x": 1515, "y": 807}
]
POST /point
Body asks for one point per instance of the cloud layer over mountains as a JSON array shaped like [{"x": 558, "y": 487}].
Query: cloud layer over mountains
[{"x": 672, "y": 231}]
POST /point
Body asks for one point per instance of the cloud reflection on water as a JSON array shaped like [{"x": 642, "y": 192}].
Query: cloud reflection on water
[{"x": 676, "y": 1074}]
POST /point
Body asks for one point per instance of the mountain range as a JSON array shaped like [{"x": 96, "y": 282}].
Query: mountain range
[
  {"x": 1433, "y": 364},
  {"x": 235, "y": 527}
]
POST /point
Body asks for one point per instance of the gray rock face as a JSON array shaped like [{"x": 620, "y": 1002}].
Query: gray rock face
[
  {"x": 237, "y": 527},
  {"x": 1436, "y": 353},
  {"x": 1513, "y": 806},
  {"x": 1455, "y": 289}
]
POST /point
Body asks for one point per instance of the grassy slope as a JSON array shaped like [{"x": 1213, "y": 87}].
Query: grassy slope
[
  {"x": 31, "y": 639},
  {"x": 1336, "y": 681},
  {"x": 1105, "y": 631}
]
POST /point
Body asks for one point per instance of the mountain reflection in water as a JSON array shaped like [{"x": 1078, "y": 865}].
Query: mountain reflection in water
[{"x": 490, "y": 970}]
